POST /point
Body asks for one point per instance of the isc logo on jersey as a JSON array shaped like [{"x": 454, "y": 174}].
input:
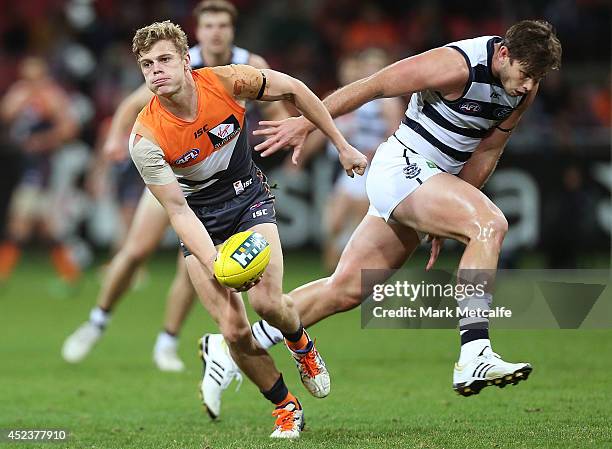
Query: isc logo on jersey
[{"x": 242, "y": 259}]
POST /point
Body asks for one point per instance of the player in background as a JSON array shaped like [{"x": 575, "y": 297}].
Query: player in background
[
  {"x": 36, "y": 111},
  {"x": 466, "y": 99},
  {"x": 364, "y": 128},
  {"x": 215, "y": 34},
  {"x": 120, "y": 178},
  {"x": 188, "y": 145}
]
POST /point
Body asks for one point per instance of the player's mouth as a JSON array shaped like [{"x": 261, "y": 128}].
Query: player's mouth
[{"x": 160, "y": 81}]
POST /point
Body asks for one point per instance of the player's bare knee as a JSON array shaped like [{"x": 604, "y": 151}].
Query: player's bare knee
[
  {"x": 268, "y": 307},
  {"x": 345, "y": 290},
  {"x": 236, "y": 335},
  {"x": 266, "y": 297},
  {"x": 136, "y": 254},
  {"x": 489, "y": 229},
  {"x": 500, "y": 225}
]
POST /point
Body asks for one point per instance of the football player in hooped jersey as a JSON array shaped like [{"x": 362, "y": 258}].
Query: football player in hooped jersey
[
  {"x": 467, "y": 97},
  {"x": 190, "y": 147}
]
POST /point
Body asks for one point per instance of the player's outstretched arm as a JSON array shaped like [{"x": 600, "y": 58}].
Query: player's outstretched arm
[
  {"x": 442, "y": 69},
  {"x": 183, "y": 220},
  {"x": 274, "y": 110},
  {"x": 115, "y": 146},
  {"x": 247, "y": 83},
  {"x": 161, "y": 181}
]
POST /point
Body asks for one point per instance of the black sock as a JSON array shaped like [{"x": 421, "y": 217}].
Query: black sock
[
  {"x": 474, "y": 334},
  {"x": 295, "y": 336},
  {"x": 278, "y": 392}
]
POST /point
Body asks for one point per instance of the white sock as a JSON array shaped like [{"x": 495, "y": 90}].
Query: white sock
[
  {"x": 99, "y": 317},
  {"x": 266, "y": 335},
  {"x": 165, "y": 340},
  {"x": 472, "y": 349}
]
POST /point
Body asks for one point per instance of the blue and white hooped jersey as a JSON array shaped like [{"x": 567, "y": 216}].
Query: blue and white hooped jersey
[
  {"x": 239, "y": 56},
  {"x": 451, "y": 130},
  {"x": 364, "y": 128}
]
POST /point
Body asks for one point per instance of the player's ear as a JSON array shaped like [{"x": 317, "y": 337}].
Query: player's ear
[
  {"x": 187, "y": 61},
  {"x": 503, "y": 52}
]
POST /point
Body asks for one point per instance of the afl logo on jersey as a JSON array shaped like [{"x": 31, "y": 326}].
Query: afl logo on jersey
[
  {"x": 191, "y": 155},
  {"x": 502, "y": 112},
  {"x": 470, "y": 107}
]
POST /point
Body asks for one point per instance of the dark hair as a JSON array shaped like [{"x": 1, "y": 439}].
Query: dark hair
[
  {"x": 535, "y": 45},
  {"x": 216, "y": 6}
]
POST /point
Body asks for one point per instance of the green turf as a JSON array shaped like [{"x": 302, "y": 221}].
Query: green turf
[{"x": 391, "y": 388}]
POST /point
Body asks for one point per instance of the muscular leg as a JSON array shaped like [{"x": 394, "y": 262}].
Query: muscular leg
[
  {"x": 375, "y": 244},
  {"x": 147, "y": 229},
  {"x": 267, "y": 296},
  {"x": 447, "y": 206},
  {"x": 180, "y": 298},
  {"x": 227, "y": 309},
  {"x": 277, "y": 309},
  {"x": 450, "y": 207}
]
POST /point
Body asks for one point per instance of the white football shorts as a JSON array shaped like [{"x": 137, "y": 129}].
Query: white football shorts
[{"x": 396, "y": 171}]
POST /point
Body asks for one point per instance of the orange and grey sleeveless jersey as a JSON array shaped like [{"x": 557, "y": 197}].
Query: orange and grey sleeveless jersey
[
  {"x": 239, "y": 55},
  {"x": 451, "y": 130},
  {"x": 210, "y": 155}
]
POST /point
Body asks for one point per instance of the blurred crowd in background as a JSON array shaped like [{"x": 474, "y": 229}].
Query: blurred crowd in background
[{"x": 82, "y": 48}]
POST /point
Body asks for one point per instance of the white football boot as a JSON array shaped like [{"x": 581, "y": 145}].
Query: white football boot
[
  {"x": 485, "y": 370},
  {"x": 165, "y": 355},
  {"x": 80, "y": 342},
  {"x": 312, "y": 369},
  {"x": 289, "y": 421},
  {"x": 219, "y": 371}
]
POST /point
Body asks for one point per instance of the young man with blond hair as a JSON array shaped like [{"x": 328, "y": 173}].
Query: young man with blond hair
[
  {"x": 215, "y": 31},
  {"x": 189, "y": 145}
]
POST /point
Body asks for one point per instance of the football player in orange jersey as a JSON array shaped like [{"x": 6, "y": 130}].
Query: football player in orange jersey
[
  {"x": 191, "y": 150},
  {"x": 215, "y": 33}
]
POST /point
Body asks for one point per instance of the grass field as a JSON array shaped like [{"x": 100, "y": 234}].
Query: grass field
[{"x": 390, "y": 388}]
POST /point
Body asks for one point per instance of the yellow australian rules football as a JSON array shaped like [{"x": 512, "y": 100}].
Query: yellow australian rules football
[{"x": 242, "y": 259}]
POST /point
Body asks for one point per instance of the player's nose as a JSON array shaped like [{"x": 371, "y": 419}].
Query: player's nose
[{"x": 157, "y": 67}]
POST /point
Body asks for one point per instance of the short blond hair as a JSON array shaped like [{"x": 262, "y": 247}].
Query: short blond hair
[{"x": 148, "y": 36}]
